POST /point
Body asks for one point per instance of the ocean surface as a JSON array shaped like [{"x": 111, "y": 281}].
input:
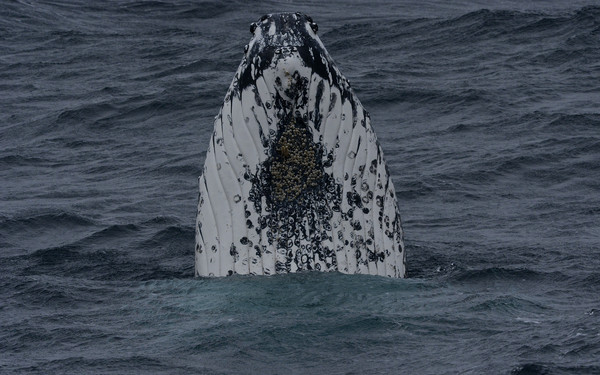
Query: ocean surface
[{"x": 489, "y": 117}]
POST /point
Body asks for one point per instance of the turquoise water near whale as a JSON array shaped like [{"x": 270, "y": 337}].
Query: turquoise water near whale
[{"x": 489, "y": 119}]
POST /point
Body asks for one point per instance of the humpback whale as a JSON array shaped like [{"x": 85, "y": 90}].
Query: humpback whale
[{"x": 294, "y": 177}]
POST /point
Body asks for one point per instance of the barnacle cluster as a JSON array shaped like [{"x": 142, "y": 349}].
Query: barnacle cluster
[
  {"x": 294, "y": 168},
  {"x": 296, "y": 197}
]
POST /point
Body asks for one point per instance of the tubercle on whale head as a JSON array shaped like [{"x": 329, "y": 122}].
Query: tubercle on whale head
[
  {"x": 284, "y": 30},
  {"x": 285, "y": 42}
]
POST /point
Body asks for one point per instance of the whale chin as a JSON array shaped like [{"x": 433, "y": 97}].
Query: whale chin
[{"x": 294, "y": 177}]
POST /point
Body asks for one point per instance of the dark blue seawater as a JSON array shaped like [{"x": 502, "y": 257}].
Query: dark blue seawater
[{"x": 489, "y": 116}]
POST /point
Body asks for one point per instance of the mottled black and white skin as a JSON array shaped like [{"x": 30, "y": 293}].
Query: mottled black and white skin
[{"x": 294, "y": 177}]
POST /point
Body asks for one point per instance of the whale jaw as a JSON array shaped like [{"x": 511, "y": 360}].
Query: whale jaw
[{"x": 294, "y": 177}]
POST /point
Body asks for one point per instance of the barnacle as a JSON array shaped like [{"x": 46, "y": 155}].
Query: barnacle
[{"x": 294, "y": 165}]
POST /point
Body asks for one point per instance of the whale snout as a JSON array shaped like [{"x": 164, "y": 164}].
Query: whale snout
[
  {"x": 289, "y": 75},
  {"x": 283, "y": 50},
  {"x": 283, "y": 30},
  {"x": 294, "y": 177}
]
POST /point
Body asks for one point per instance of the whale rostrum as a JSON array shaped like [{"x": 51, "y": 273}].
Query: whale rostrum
[{"x": 294, "y": 178}]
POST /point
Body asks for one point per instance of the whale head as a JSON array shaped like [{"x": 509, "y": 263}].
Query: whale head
[
  {"x": 284, "y": 29},
  {"x": 294, "y": 177},
  {"x": 285, "y": 50}
]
